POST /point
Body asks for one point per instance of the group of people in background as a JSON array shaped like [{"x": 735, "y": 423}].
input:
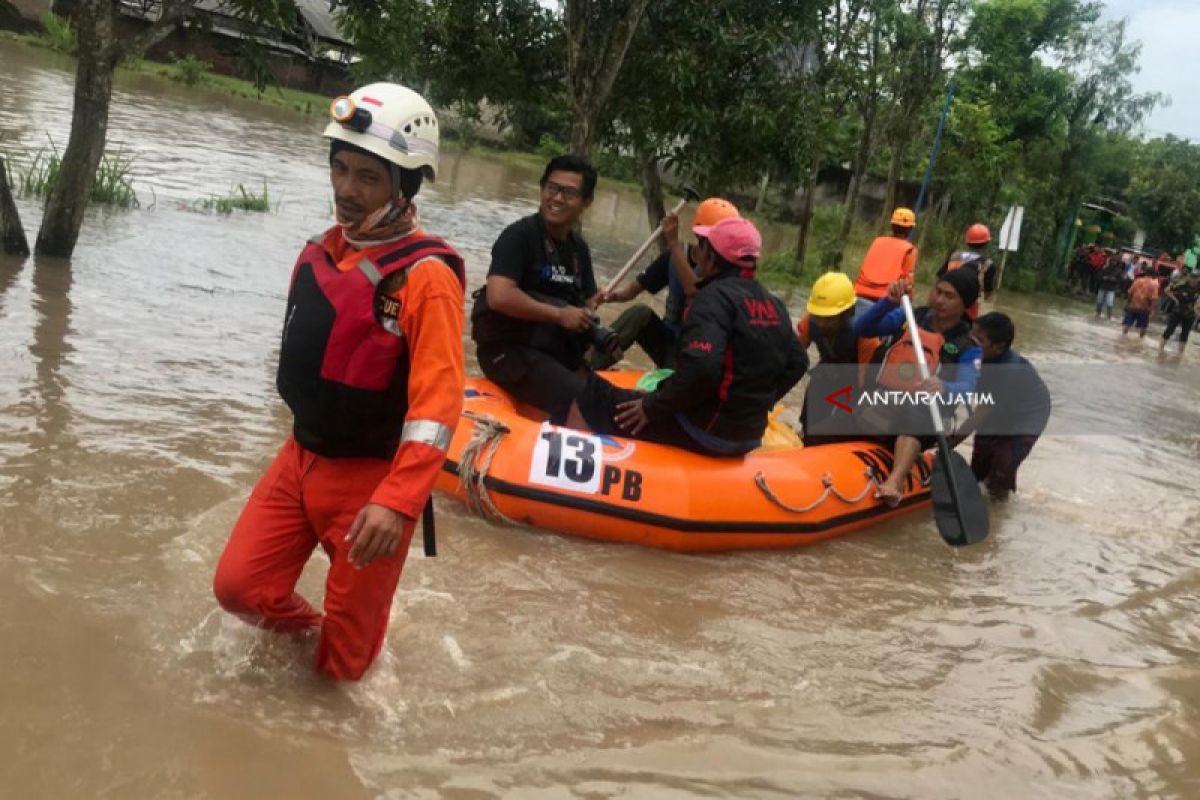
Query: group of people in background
[{"x": 1167, "y": 289}]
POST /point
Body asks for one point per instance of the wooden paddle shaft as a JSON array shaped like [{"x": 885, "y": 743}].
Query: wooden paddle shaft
[
  {"x": 915, "y": 332},
  {"x": 641, "y": 251}
]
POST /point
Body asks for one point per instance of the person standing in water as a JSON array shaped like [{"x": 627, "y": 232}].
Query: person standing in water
[{"x": 371, "y": 366}]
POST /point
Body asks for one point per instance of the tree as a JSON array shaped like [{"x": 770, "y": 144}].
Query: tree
[
  {"x": 468, "y": 54},
  {"x": 598, "y": 36},
  {"x": 1165, "y": 193},
  {"x": 100, "y": 50},
  {"x": 696, "y": 92},
  {"x": 923, "y": 36}
]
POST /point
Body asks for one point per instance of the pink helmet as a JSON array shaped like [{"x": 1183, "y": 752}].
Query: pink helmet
[{"x": 735, "y": 239}]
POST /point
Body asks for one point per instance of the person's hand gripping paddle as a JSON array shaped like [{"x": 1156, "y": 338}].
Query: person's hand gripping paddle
[
  {"x": 958, "y": 505},
  {"x": 688, "y": 194}
]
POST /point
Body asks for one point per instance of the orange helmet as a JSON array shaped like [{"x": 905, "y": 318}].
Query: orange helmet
[
  {"x": 712, "y": 211},
  {"x": 978, "y": 234},
  {"x": 904, "y": 217}
]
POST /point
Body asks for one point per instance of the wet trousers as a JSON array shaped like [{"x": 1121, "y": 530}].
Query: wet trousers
[{"x": 303, "y": 500}]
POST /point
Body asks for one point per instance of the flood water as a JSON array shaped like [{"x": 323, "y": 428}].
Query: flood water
[{"x": 1056, "y": 660}]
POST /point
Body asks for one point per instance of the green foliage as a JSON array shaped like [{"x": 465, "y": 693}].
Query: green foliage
[
  {"x": 1166, "y": 192},
  {"x": 59, "y": 33},
  {"x": 780, "y": 270},
  {"x": 550, "y": 147},
  {"x": 505, "y": 55},
  {"x": 614, "y": 166},
  {"x": 237, "y": 200},
  {"x": 113, "y": 185},
  {"x": 253, "y": 64},
  {"x": 189, "y": 70}
]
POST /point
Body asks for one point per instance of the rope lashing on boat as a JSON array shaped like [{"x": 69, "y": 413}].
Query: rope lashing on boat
[
  {"x": 475, "y": 462},
  {"x": 760, "y": 480}
]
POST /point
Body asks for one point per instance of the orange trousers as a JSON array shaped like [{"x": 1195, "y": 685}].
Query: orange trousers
[{"x": 303, "y": 500}]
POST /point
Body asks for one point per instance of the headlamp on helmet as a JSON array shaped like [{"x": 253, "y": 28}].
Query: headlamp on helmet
[{"x": 345, "y": 111}]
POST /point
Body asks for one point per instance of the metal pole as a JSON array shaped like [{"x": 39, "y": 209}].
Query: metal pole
[{"x": 933, "y": 151}]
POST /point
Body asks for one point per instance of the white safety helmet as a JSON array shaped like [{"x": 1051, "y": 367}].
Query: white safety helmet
[{"x": 390, "y": 121}]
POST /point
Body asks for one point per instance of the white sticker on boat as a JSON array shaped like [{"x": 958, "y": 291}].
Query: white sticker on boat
[{"x": 567, "y": 459}]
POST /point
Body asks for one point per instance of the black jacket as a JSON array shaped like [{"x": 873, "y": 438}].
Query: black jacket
[{"x": 738, "y": 355}]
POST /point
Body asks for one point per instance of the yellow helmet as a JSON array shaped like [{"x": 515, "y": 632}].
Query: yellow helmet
[
  {"x": 904, "y": 217},
  {"x": 832, "y": 294}
]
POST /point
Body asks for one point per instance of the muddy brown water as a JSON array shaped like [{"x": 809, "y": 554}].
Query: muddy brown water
[{"x": 1056, "y": 660}]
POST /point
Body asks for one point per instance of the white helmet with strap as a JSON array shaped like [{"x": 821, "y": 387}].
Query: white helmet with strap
[{"x": 390, "y": 121}]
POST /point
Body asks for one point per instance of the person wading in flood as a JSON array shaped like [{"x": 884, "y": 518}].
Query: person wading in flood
[{"x": 371, "y": 367}]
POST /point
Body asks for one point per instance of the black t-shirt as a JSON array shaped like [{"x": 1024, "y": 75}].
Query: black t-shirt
[
  {"x": 548, "y": 270},
  {"x": 660, "y": 274},
  {"x": 1019, "y": 398}
]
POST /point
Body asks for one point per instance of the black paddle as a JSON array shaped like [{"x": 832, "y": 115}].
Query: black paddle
[{"x": 958, "y": 507}]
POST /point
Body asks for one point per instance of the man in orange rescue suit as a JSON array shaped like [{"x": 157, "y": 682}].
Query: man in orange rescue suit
[
  {"x": 889, "y": 259},
  {"x": 371, "y": 366},
  {"x": 974, "y": 259}
]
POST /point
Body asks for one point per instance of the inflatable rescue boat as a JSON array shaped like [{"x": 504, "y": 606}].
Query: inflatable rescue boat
[{"x": 508, "y": 464}]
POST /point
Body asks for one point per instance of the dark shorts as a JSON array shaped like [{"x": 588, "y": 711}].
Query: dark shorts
[
  {"x": 1184, "y": 321},
  {"x": 995, "y": 460},
  {"x": 1138, "y": 319}
]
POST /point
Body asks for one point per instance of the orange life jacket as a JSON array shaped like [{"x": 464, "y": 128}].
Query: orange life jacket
[
  {"x": 898, "y": 367},
  {"x": 886, "y": 262}
]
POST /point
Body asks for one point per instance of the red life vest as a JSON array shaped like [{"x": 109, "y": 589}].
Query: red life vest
[
  {"x": 343, "y": 362},
  {"x": 882, "y": 265}
]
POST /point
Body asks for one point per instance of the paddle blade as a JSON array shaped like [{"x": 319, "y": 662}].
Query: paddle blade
[{"x": 958, "y": 506}]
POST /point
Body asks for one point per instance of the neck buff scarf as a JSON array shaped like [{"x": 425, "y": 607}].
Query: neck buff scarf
[{"x": 388, "y": 223}]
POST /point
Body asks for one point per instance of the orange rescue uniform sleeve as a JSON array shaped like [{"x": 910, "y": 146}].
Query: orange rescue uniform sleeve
[
  {"x": 431, "y": 318},
  {"x": 803, "y": 332}
]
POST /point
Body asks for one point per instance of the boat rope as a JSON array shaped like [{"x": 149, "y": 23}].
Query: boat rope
[
  {"x": 827, "y": 481},
  {"x": 475, "y": 462}
]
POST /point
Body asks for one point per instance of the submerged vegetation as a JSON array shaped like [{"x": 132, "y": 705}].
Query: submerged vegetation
[
  {"x": 35, "y": 175},
  {"x": 237, "y": 200}
]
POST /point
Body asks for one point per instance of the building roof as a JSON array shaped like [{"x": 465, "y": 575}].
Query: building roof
[{"x": 317, "y": 14}]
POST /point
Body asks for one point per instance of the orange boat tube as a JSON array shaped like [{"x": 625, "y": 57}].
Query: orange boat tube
[{"x": 515, "y": 467}]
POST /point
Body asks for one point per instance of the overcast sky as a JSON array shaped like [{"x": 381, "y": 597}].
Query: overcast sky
[{"x": 1169, "y": 31}]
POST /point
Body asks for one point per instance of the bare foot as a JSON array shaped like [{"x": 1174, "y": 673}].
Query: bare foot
[{"x": 889, "y": 493}]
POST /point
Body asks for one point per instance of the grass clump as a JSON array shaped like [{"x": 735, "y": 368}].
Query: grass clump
[
  {"x": 189, "y": 70},
  {"x": 58, "y": 34},
  {"x": 113, "y": 185},
  {"x": 238, "y": 200}
]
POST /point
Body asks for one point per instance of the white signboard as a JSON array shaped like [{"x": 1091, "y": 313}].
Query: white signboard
[
  {"x": 1010, "y": 232},
  {"x": 567, "y": 459}
]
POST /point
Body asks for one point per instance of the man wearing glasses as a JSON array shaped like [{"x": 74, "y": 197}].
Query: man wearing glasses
[{"x": 533, "y": 321}]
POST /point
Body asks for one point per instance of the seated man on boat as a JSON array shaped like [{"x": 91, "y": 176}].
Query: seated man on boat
[
  {"x": 738, "y": 356},
  {"x": 954, "y": 361},
  {"x": 831, "y": 325},
  {"x": 676, "y": 271},
  {"x": 533, "y": 321}
]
